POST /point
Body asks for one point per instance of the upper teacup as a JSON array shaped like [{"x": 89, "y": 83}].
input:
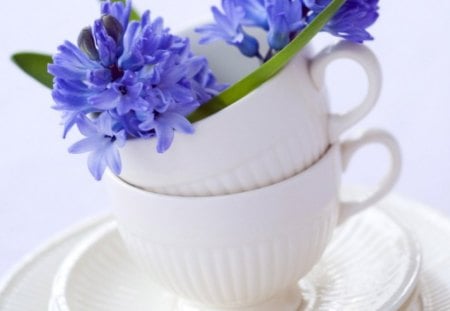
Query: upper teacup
[{"x": 273, "y": 133}]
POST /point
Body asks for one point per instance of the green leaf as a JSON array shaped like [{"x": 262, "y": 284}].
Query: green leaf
[
  {"x": 268, "y": 69},
  {"x": 35, "y": 65},
  {"x": 134, "y": 15}
]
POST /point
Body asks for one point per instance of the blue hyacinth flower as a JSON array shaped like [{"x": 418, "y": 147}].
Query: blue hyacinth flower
[
  {"x": 127, "y": 80},
  {"x": 352, "y": 19},
  {"x": 285, "y": 21},
  {"x": 102, "y": 142},
  {"x": 255, "y": 13},
  {"x": 228, "y": 27}
]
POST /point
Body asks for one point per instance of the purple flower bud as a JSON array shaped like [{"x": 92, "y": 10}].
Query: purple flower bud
[
  {"x": 86, "y": 43},
  {"x": 113, "y": 27}
]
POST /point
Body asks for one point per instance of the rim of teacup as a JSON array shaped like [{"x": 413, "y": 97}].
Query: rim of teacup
[{"x": 330, "y": 152}]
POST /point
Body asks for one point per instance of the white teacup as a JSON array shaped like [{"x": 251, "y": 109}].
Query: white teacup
[
  {"x": 273, "y": 133},
  {"x": 243, "y": 251}
]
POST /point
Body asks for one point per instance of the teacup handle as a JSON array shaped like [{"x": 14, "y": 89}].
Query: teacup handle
[
  {"x": 348, "y": 149},
  {"x": 338, "y": 123}
]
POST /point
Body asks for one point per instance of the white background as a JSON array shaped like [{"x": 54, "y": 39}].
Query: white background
[{"x": 44, "y": 190}]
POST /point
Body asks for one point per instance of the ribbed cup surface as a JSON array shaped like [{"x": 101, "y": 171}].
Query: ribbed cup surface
[
  {"x": 286, "y": 159},
  {"x": 234, "y": 275}
]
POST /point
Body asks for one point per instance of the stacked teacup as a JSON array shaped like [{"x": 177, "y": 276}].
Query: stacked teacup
[{"x": 232, "y": 217}]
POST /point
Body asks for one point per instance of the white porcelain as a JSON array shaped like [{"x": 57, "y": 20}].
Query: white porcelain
[
  {"x": 244, "y": 249},
  {"x": 371, "y": 264},
  {"x": 28, "y": 286},
  {"x": 271, "y": 134},
  {"x": 432, "y": 229}
]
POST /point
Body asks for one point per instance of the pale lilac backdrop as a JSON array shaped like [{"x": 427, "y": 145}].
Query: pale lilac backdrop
[{"x": 44, "y": 190}]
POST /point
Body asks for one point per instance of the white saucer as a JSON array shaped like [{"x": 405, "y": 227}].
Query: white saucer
[
  {"x": 371, "y": 264},
  {"x": 432, "y": 230},
  {"x": 28, "y": 287}
]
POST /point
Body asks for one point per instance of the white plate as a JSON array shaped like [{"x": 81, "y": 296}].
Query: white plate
[
  {"x": 371, "y": 264},
  {"x": 28, "y": 287},
  {"x": 432, "y": 230}
]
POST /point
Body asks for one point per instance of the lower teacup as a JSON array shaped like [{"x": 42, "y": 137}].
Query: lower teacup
[{"x": 243, "y": 251}]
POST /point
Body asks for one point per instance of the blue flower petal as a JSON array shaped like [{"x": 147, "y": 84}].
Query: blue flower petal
[
  {"x": 179, "y": 123},
  {"x": 164, "y": 136},
  {"x": 96, "y": 164},
  {"x": 107, "y": 48},
  {"x": 285, "y": 19},
  {"x": 86, "y": 145},
  {"x": 108, "y": 99},
  {"x": 112, "y": 159},
  {"x": 86, "y": 126},
  {"x": 228, "y": 27}
]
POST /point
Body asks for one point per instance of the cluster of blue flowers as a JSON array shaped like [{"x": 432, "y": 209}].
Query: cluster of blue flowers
[
  {"x": 127, "y": 79},
  {"x": 283, "y": 20}
]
